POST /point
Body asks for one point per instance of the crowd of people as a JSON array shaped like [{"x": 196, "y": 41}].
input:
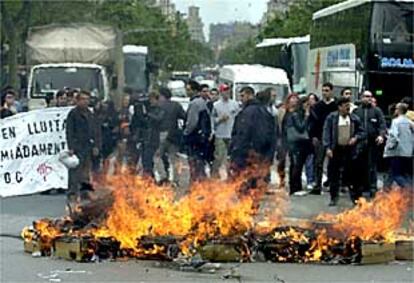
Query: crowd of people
[{"x": 218, "y": 133}]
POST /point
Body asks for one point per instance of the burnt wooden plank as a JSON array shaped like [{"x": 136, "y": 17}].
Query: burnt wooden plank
[{"x": 404, "y": 250}]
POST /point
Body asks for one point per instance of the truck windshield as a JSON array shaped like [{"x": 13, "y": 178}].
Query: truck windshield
[{"x": 51, "y": 79}]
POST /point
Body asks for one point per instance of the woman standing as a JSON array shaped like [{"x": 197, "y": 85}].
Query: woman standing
[
  {"x": 284, "y": 113},
  {"x": 299, "y": 144},
  {"x": 312, "y": 99}
]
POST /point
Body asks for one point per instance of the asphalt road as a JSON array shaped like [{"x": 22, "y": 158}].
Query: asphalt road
[{"x": 16, "y": 266}]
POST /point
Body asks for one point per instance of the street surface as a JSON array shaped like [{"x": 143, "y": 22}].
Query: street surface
[{"x": 16, "y": 266}]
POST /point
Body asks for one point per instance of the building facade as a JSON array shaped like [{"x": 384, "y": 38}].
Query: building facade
[
  {"x": 276, "y": 7},
  {"x": 195, "y": 24}
]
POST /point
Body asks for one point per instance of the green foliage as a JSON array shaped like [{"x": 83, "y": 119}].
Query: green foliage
[
  {"x": 297, "y": 21},
  {"x": 168, "y": 40},
  {"x": 242, "y": 53}
]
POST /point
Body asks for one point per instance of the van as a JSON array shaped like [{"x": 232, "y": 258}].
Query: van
[{"x": 258, "y": 77}]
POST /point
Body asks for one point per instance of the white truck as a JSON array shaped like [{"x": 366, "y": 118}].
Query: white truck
[
  {"x": 76, "y": 56},
  {"x": 256, "y": 76}
]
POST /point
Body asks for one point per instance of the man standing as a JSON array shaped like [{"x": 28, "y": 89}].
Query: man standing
[
  {"x": 82, "y": 141},
  {"x": 126, "y": 145},
  {"x": 61, "y": 99},
  {"x": 223, "y": 114},
  {"x": 197, "y": 131},
  {"x": 8, "y": 104},
  {"x": 347, "y": 93},
  {"x": 341, "y": 134},
  {"x": 254, "y": 133},
  {"x": 374, "y": 124},
  {"x": 316, "y": 123},
  {"x": 152, "y": 117},
  {"x": 400, "y": 147},
  {"x": 209, "y": 147},
  {"x": 170, "y": 136}
]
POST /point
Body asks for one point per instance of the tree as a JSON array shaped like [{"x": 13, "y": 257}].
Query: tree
[
  {"x": 14, "y": 15},
  {"x": 243, "y": 53},
  {"x": 297, "y": 21},
  {"x": 17, "y": 16},
  {"x": 168, "y": 39}
]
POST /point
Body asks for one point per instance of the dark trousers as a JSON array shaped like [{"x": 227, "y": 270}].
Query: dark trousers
[
  {"x": 319, "y": 152},
  {"x": 133, "y": 154},
  {"x": 79, "y": 175},
  {"x": 281, "y": 164},
  {"x": 342, "y": 161},
  {"x": 369, "y": 157},
  {"x": 401, "y": 172},
  {"x": 196, "y": 162},
  {"x": 148, "y": 153},
  {"x": 298, "y": 154}
]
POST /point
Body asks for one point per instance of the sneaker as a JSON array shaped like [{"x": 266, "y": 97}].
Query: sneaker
[
  {"x": 300, "y": 193},
  {"x": 309, "y": 187}
]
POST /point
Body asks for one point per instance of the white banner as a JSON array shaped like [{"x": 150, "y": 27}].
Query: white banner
[{"x": 30, "y": 144}]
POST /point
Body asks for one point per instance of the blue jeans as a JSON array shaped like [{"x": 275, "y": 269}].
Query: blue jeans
[
  {"x": 400, "y": 171},
  {"x": 309, "y": 169}
]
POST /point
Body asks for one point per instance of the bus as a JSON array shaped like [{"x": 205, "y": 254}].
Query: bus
[
  {"x": 365, "y": 45},
  {"x": 290, "y": 54}
]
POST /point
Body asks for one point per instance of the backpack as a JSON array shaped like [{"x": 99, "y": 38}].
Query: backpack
[
  {"x": 264, "y": 140},
  {"x": 204, "y": 124}
]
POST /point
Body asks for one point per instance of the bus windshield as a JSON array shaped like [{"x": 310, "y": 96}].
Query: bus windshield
[
  {"x": 136, "y": 72},
  {"x": 51, "y": 79},
  {"x": 392, "y": 22}
]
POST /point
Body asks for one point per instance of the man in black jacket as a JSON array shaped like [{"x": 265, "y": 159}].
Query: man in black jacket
[
  {"x": 374, "y": 124},
  {"x": 152, "y": 117},
  {"x": 342, "y": 133},
  {"x": 254, "y": 133},
  {"x": 170, "y": 136},
  {"x": 81, "y": 135},
  {"x": 316, "y": 121}
]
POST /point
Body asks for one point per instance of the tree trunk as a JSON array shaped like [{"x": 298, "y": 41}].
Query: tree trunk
[{"x": 12, "y": 59}]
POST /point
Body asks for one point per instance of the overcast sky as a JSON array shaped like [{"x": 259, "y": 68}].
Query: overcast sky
[{"x": 224, "y": 11}]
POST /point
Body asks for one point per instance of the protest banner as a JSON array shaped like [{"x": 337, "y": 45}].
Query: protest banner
[{"x": 30, "y": 144}]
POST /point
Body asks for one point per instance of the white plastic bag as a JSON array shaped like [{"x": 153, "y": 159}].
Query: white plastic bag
[{"x": 70, "y": 161}]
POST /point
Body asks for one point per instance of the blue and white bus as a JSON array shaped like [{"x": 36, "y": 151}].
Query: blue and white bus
[{"x": 364, "y": 44}]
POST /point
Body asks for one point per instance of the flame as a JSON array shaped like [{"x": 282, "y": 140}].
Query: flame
[
  {"x": 211, "y": 209},
  {"x": 373, "y": 220},
  {"x": 214, "y": 209}
]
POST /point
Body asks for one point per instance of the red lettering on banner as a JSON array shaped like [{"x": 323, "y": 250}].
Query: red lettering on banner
[{"x": 44, "y": 170}]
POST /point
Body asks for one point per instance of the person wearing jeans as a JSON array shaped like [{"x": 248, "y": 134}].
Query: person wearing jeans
[
  {"x": 223, "y": 115},
  {"x": 320, "y": 112},
  {"x": 399, "y": 147}
]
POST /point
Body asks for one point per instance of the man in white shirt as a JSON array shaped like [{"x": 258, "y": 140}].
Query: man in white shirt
[{"x": 223, "y": 114}]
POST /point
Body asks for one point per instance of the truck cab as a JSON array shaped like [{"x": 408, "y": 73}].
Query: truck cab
[
  {"x": 46, "y": 79},
  {"x": 76, "y": 56},
  {"x": 256, "y": 76}
]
